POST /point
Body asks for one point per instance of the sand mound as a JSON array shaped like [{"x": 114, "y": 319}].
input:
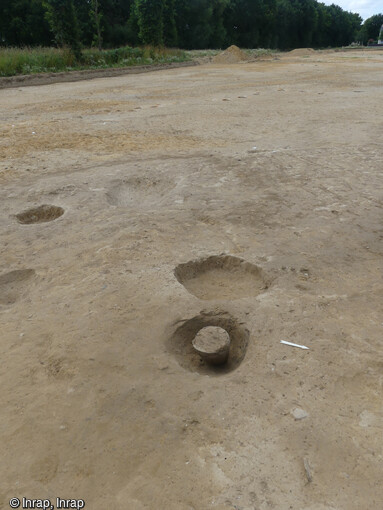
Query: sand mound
[
  {"x": 230, "y": 56},
  {"x": 301, "y": 52}
]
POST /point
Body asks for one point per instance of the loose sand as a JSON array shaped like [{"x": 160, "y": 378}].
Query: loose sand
[
  {"x": 231, "y": 55},
  {"x": 301, "y": 52},
  {"x": 102, "y": 395}
]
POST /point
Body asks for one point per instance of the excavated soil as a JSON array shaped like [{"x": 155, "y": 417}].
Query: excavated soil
[
  {"x": 103, "y": 396},
  {"x": 231, "y": 55},
  {"x": 301, "y": 52}
]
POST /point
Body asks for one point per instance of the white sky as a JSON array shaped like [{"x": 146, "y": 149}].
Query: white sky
[{"x": 366, "y": 8}]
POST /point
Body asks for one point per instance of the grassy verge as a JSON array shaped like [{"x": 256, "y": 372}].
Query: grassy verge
[
  {"x": 202, "y": 53},
  {"x": 260, "y": 52},
  {"x": 14, "y": 61},
  {"x": 257, "y": 52}
]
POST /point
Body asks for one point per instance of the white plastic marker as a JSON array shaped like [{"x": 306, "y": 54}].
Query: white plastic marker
[{"x": 295, "y": 345}]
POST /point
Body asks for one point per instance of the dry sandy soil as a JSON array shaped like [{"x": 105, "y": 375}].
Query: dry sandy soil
[{"x": 166, "y": 218}]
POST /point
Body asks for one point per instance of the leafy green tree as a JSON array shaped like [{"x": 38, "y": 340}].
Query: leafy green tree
[
  {"x": 321, "y": 36},
  {"x": 194, "y": 23},
  {"x": 63, "y": 21},
  {"x": 370, "y": 29},
  {"x": 150, "y": 21},
  {"x": 303, "y": 23},
  {"x": 22, "y": 23},
  {"x": 286, "y": 27},
  {"x": 244, "y": 22},
  {"x": 252, "y": 23},
  {"x": 119, "y": 24},
  {"x": 96, "y": 16},
  {"x": 307, "y": 19},
  {"x": 219, "y": 34},
  {"x": 267, "y": 32},
  {"x": 344, "y": 26},
  {"x": 190, "y": 24},
  {"x": 169, "y": 23},
  {"x": 85, "y": 21}
]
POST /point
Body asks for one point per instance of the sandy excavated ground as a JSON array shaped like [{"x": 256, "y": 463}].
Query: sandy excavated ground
[{"x": 163, "y": 192}]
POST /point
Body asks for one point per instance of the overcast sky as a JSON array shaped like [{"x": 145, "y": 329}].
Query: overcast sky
[{"x": 366, "y": 8}]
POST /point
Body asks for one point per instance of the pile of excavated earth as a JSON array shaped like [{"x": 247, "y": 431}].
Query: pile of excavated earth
[
  {"x": 301, "y": 52},
  {"x": 230, "y": 56}
]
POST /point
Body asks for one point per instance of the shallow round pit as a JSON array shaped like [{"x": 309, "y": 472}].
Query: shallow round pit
[
  {"x": 221, "y": 277},
  {"x": 40, "y": 214},
  {"x": 212, "y": 344}
]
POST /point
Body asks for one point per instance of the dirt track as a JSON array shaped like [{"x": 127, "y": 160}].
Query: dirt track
[
  {"x": 102, "y": 397},
  {"x": 30, "y": 80}
]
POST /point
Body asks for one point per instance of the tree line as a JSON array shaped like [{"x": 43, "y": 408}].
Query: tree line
[{"x": 188, "y": 24}]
